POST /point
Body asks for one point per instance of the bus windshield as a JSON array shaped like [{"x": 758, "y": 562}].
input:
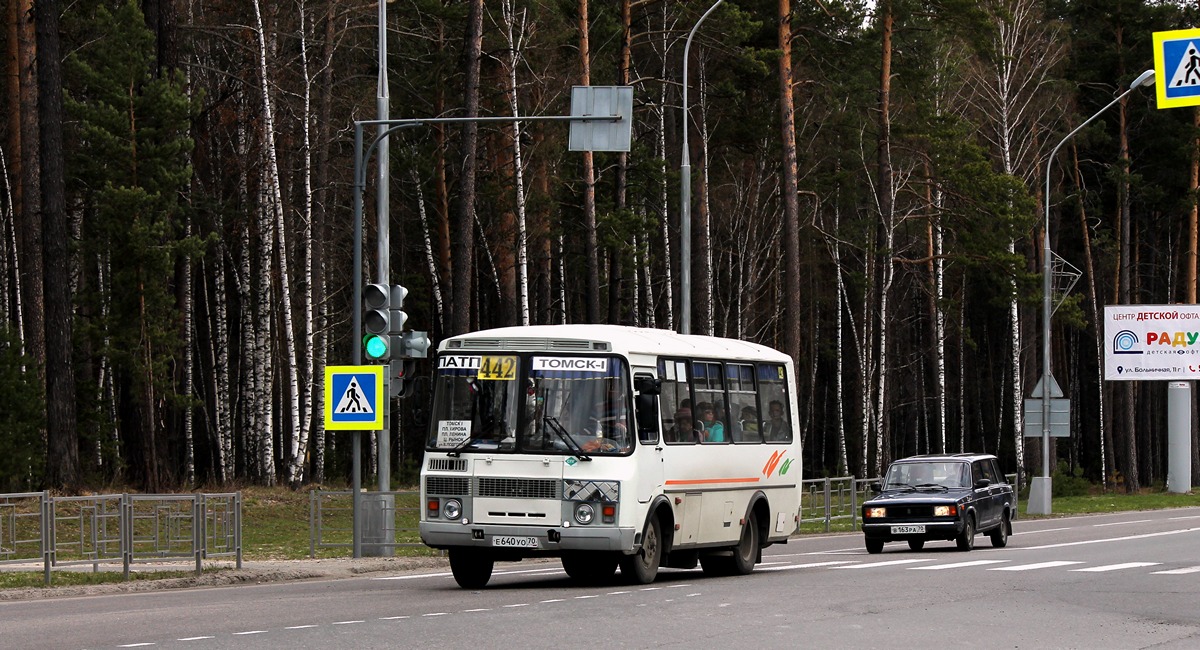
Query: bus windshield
[{"x": 567, "y": 404}]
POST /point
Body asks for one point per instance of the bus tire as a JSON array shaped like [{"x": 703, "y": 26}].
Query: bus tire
[
  {"x": 740, "y": 559},
  {"x": 745, "y": 554},
  {"x": 472, "y": 569},
  {"x": 641, "y": 568},
  {"x": 589, "y": 568}
]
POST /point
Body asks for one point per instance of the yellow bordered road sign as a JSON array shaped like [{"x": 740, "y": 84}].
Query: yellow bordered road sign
[
  {"x": 354, "y": 398},
  {"x": 1177, "y": 67}
]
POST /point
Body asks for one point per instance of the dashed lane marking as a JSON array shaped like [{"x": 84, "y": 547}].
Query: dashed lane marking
[
  {"x": 1116, "y": 567},
  {"x": 1035, "y": 566}
]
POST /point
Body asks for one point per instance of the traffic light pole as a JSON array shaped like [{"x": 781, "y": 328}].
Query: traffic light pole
[{"x": 385, "y": 128}]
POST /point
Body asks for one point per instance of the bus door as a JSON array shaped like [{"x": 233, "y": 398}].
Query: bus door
[{"x": 648, "y": 474}]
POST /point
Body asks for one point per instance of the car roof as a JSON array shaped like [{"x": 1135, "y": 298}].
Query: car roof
[{"x": 965, "y": 457}]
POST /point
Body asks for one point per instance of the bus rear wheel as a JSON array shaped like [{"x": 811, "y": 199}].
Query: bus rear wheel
[
  {"x": 741, "y": 561},
  {"x": 472, "y": 569},
  {"x": 641, "y": 568}
]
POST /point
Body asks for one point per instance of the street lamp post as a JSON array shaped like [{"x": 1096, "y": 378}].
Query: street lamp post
[
  {"x": 1039, "y": 489},
  {"x": 685, "y": 195}
]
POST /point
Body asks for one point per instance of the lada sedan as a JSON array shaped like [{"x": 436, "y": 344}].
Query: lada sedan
[{"x": 940, "y": 497}]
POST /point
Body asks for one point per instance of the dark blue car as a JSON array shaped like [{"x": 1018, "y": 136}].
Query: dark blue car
[{"x": 940, "y": 497}]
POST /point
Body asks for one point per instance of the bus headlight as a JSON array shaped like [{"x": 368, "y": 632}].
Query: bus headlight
[
  {"x": 585, "y": 513},
  {"x": 453, "y": 509}
]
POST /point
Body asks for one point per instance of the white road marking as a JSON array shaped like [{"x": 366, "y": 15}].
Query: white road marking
[
  {"x": 810, "y": 565},
  {"x": 554, "y": 600},
  {"x": 888, "y": 563},
  {"x": 346, "y": 622},
  {"x": 250, "y": 632},
  {"x": 1113, "y": 539},
  {"x": 1116, "y": 567},
  {"x": 1178, "y": 572},
  {"x": 1121, "y": 523},
  {"x": 518, "y": 605},
  {"x": 1038, "y": 565},
  {"x": 481, "y": 609},
  {"x": 195, "y": 638},
  {"x": 135, "y": 645},
  {"x": 956, "y": 565},
  {"x": 305, "y": 627}
]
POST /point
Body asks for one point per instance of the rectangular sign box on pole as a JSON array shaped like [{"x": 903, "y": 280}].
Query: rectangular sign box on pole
[{"x": 1151, "y": 342}]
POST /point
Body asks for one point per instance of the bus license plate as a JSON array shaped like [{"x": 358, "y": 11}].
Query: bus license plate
[
  {"x": 515, "y": 542},
  {"x": 908, "y": 530}
]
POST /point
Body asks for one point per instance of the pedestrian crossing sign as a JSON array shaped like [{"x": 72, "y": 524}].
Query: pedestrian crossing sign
[
  {"x": 353, "y": 398},
  {"x": 1177, "y": 67}
]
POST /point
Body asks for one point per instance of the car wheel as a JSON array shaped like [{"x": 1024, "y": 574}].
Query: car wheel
[
  {"x": 1000, "y": 535},
  {"x": 642, "y": 567},
  {"x": 916, "y": 544},
  {"x": 966, "y": 539},
  {"x": 472, "y": 569},
  {"x": 874, "y": 546}
]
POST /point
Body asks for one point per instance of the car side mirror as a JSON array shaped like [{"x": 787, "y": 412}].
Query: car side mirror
[
  {"x": 982, "y": 483},
  {"x": 876, "y": 487}
]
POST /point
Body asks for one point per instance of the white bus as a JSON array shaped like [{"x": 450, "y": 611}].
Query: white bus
[{"x": 576, "y": 441}]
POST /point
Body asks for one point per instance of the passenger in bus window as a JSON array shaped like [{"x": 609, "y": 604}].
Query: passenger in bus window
[
  {"x": 714, "y": 429},
  {"x": 777, "y": 427},
  {"x": 750, "y": 421},
  {"x": 683, "y": 430},
  {"x": 608, "y": 415}
]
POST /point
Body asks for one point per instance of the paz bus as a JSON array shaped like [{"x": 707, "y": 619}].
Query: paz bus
[{"x": 609, "y": 446}]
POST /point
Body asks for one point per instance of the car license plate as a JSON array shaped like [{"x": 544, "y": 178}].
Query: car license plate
[
  {"x": 515, "y": 542},
  {"x": 908, "y": 530}
]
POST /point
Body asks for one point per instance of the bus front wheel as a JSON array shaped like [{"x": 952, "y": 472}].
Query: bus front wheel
[
  {"x": 642, "y": 567},
  {"x": 472, "y": 569}
]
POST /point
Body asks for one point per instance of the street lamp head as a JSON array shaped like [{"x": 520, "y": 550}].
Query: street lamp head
[{"x": 1146, "y": 79}]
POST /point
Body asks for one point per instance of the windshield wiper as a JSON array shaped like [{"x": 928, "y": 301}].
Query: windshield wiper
[
  {"x": 458, "y": 449},
  {"x": 931, "y": 485},
  {"x": 566, "y": 437}
]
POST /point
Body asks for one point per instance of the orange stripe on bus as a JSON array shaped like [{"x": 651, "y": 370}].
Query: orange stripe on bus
[{"x": 714, "y": 480}]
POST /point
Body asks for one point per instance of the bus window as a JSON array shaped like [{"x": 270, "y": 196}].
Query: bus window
[
  {"x": 743, "y": 397},
  {"x": 773, "y": 403},
  {"x": 711, "y": 411},
  {"x": 675, "y": 403},
  {"x": 476, "y": 402},
  {"x": 584, "y": 398}
]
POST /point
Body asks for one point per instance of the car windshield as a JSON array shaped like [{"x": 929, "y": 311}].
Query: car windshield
[
  {"x": 915, "y": 474},
  {"x": 566, "y": 404}
]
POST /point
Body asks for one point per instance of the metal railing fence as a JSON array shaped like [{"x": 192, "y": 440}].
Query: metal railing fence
[
  {"x": 389, "y": 520},
  {"x": 119, "y": 529},
  {"x": 826, "y": 500}
]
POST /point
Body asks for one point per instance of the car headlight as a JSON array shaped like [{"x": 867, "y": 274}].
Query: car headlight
[
  {"x": 876, "y": 512},
  {"x": 453, "y": 509},
  {"x": 585, "y": 513},
  {"x": 945, "y": 511}
]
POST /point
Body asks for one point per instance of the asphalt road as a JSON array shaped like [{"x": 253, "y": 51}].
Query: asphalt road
[{"x": 1128, "y": 580}]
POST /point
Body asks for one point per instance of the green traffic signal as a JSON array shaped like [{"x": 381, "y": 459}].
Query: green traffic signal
[{"x": 376, "y": 346}]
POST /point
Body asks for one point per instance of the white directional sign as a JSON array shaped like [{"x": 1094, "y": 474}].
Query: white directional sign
[
  {"x": 1177, "y": 67},
  {"x": 353, "y": 398}
]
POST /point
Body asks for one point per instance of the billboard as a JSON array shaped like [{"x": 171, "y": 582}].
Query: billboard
[{"x": 1151, "y": 342}]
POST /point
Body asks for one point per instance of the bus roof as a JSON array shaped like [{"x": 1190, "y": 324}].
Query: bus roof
[{"x": 608, "y": 338}]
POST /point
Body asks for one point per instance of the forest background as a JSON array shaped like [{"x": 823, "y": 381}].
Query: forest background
[{"x": 176, "y": 232}]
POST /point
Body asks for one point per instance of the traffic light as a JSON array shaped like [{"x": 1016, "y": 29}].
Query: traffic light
[
  {"x": 383, "y": 320},
  {"x": 401, "y": 373},
  {"x": 414, "y": 345}
]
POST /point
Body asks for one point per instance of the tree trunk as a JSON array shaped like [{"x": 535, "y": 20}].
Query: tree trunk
[
  {"x": 30, "y": 193},
  {"x": 462, "y": 229},
  {"x": 62, "y": 434},
  {"x": 790, "y": 200},
  {"x": 884, "y": 241},
  {"x": 589, "y": 181}
]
